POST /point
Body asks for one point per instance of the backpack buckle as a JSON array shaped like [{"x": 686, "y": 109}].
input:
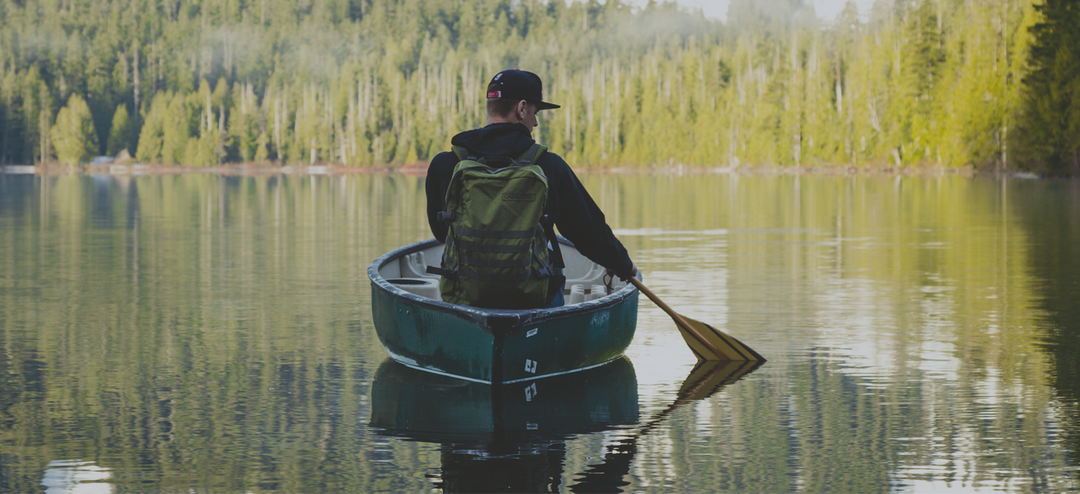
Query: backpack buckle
[{"x": 445, "y": 216}]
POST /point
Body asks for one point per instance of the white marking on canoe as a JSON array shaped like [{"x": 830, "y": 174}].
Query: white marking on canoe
[
  {"x": 447, "y": 374},
  {"x": 532, "y": 332},
  {"x": 553, "y": 374},
  {"x": 400, "y": 359},
  {"x": 530, "y": 366},
  {"x": 530, "y": 391},
  {"x": 403, "y": 359}
]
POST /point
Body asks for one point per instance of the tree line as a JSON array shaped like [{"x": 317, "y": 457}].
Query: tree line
[{"x": 957, "y": 83}]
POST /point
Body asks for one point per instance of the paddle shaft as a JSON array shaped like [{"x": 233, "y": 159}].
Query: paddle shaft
[{"x": 675, "y": 315}]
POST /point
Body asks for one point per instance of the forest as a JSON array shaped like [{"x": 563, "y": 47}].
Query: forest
[{"x": 984, "y": 84}]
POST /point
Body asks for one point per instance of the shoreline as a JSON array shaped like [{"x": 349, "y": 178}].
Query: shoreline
[{"x": 420, "y": 170}]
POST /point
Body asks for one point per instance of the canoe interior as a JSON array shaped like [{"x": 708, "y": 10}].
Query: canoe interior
[
  {"x": 495, "y": 346},
  {"x": 584, "y": 278}
]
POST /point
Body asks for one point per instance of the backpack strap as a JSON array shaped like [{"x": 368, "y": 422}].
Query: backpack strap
[
  {"x": 461, "y": 153},
  {"x": 528, "y": 158},
  {"x": 556, "y": 252},
  {"x": 447, "y": 217},
  {"x": 445, "y": 273},
  {"x": 531, "y": 155}
]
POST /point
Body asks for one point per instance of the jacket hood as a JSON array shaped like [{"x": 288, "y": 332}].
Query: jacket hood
[{"x": 501, "y": 139}]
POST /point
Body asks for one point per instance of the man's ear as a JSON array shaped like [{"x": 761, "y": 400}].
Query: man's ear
[{"x": 519, "y": 109}]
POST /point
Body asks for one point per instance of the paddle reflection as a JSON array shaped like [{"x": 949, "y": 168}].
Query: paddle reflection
[
  {"x": 706, "y": 379},
  {"x": 508, "y": 438}
]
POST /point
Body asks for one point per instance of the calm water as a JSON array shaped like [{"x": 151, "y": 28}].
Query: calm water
[{"x": 213, "y": 334}]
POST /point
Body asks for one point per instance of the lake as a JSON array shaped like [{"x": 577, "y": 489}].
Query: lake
[{"x": 206, "y": 333}]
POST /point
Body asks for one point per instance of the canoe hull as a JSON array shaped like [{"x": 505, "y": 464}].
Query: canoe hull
[{"x": 498, "y": 346}]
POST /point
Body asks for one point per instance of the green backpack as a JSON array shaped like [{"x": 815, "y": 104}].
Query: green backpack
[{"x": 496, "y": 253}]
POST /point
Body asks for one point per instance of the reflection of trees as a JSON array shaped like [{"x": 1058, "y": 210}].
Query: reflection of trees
[
  {"x": 916, "y": 295},
  {"x": 138, "y": 332},
  {"x": 196, "y": 330},
  {"x": 1048, "y": 209}
]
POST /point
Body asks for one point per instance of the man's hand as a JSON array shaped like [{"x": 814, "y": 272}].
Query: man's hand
[{"x": 633, "y": 272}]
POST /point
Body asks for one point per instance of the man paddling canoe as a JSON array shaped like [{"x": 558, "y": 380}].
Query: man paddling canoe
[{"x": 493, "y": 201}]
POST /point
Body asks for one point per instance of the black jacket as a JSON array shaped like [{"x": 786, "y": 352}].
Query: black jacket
[{"x": 576, "y": 216}]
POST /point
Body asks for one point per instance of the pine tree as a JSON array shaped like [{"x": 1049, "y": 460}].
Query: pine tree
[
  {"x": 922, "y": 74},
  {"x": 152, "y": 136},
  {"x": 73, "y": 136},
  {"x": 365, "y": 83},
  {"x": 122, "y": 134},
  {"x": 178, "y": 127},
  {"x": 1048, "y": 135}
]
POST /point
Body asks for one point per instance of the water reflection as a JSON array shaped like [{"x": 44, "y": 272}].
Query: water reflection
[
  {"x": 1050, "y": 213},
  {"x": 76, "y": 477},
  {"x": 199, "y": 332},
  {"x": 502, "y": 438},
  {"x": 513, "y": 438},
  {"x": 704, "y": 381}
]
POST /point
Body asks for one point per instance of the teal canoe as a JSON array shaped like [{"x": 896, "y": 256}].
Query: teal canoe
[{"x": 494, "y": 346}]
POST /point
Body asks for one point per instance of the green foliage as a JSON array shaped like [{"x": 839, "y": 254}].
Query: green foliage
[
  {"x": 122, "y": 135},
  {"x": 246, "y": 140},
  {"x": 177, "y": 128},
  {"x": 27, "y": 115},
  {"x": 152, "y": 136},
  {"x": 362, "y": 83},
  {"x": 73, "y": 135},
  {"x": 1049, "y": 124}
]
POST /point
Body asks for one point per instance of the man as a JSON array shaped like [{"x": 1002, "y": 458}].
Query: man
[{"x": 513, "y": 99}]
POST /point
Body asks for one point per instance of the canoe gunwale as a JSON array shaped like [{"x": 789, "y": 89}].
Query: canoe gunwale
[{"x": 494, "y": 321}]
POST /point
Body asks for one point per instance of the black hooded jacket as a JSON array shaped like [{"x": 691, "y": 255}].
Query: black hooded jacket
[{"x": 576, "y": 216}]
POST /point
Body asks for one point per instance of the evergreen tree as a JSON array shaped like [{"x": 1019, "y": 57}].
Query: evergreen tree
[
  {"x": 122, "y": 134},
  {"x": 152, "y": 135},
  {"x": 1048, "y": 137},
  {"x": 362, "y": 83},
  {"x": 922, "y": 65},
  {"x": 178, "y": 127},
  {"x": 73, "y": 136}
]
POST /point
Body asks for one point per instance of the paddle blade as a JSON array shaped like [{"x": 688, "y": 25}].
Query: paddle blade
[
  {"x": 710, "y": 376},
  {"x": 707, "y": 342},
  {"x": 719, "y": 345}
]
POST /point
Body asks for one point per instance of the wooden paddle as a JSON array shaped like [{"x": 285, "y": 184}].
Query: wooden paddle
[{"x": 707, "y": 342}]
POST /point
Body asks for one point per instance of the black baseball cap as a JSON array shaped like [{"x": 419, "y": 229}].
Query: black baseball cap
[{"x": 519, "y": 85}]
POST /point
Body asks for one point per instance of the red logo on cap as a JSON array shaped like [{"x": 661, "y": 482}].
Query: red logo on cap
[{"x": 494, "y": 94}]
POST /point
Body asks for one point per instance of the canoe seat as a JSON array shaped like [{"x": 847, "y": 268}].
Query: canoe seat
[
  {"x": 414, "y": 266},
  {"x": 424, "y": 287}
]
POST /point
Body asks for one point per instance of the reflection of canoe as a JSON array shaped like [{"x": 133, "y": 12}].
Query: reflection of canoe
[
  {"x": 432, "y": 408},
  {"x": 508, "y": 438},
  {"x": 497, "y": 346}
]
